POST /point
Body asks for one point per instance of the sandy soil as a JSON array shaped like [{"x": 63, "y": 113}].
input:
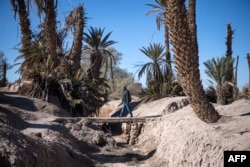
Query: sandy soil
[{"x": 30, "y": 135}]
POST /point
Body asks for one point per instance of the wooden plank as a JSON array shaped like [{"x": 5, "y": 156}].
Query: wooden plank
[
  {"x": 115, "y": 119},
  {"x": 103, "y": 119}
]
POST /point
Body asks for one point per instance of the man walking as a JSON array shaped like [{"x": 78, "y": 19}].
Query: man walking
[{"x": 126, "y": 98}]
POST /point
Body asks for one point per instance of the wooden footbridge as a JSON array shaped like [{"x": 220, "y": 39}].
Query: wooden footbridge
[
  {"x": 109, "y": 119},
  {"x": 116, "y": 119}
]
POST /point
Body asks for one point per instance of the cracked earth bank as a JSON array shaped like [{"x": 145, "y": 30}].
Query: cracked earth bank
[{"x": 36, "y": 133}]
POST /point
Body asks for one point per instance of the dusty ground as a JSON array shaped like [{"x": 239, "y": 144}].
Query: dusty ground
[{"x": 35, "y": 133}]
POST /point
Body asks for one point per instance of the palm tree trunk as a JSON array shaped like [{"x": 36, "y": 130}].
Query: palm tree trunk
[
  {"x": 184, "y": 39},
  {"x": 50, "y": 34},
  {"x": 235, "y": 87},
  {"x": 192, "y": 24},
  {"x": 168, "y": 55},
  {"x": 20, "y": 7},
  {"x": 220, "y": 95},
  {"x": 229, "y": 75},
  {"x": 229, "y": 52},
  {"x": 76, "y": 50},
  {"x": 95, "y": 65},
  {"x": 4, "y": 70},
  {"x": 111, "y": 71},
  {"x": 248, "y": 60}
]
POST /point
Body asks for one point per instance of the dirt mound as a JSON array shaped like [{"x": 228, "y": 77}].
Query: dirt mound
[
  {"x": 18, "y": 149},
  {"x": 181, "y": 139},
  {"x": 30, "y": 136}
]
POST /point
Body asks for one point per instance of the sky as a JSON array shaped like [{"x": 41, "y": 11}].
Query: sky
[{"x": 132, "y": 29}]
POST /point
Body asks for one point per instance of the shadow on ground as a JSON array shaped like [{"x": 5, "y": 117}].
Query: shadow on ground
[
  {"x": 18, "y": 102},
  {"x": 246, "y": 114},
  {"x": 128, "y": 158},
  {"x": 8, "y": 117}
]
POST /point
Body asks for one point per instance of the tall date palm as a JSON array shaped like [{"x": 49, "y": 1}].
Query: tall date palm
[
  {"x": 161, "y": 9},
  {"x": 230, "y": 91},
  {"x": 217, "y": 70},
  {"x": 182, "y": 27},
  {"x": 97, "y": 47},
  {"x": 154, "y": 69}
]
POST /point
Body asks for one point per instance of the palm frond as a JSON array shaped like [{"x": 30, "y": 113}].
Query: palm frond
[{"x": 155, "y": 53}]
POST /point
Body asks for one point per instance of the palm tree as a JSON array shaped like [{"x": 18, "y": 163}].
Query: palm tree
[
  {"x": 77, "y": 20},
  {"x": 229, "y": 52},
  {"x": 33, "y": 53},
  {"x": 161, "y": 9},
  {"x": 217, "y": 70},
  {"x": 3, "y": 69},
  {"x": 182, "y": 27},
  {"x": 230, "y": 89},
  {"x": 97, "y": 47},
  {"x": 154, "y": 68},
  {"x": 108, "y": 70}
]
